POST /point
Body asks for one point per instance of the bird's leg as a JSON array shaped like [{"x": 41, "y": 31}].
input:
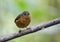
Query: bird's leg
[
  {"x": 20, "y": 31},
  {"x": 26, "y": 28}
]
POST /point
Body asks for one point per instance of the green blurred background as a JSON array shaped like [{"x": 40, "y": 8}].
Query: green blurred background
[{"x": 40, "y": 11}]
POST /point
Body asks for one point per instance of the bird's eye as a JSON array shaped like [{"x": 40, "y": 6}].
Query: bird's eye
[{"x": 24, "y": 13}]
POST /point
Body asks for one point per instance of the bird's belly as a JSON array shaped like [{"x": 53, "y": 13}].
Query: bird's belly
[{"x": 23, "y": 23}]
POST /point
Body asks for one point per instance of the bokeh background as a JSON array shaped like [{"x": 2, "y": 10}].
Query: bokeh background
[{"x": 40, "y": 11}]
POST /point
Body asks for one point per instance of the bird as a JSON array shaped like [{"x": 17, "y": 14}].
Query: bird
[{"x": 23, "y": 19}]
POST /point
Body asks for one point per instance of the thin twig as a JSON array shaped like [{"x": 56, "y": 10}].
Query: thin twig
[{"x": 30, "y": 30}]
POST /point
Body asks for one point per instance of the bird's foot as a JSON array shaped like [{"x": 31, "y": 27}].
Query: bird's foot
[{"x": 28, "y": 28}]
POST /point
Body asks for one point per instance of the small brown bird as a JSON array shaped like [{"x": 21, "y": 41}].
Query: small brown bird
[{"x": 23, "y": 19}]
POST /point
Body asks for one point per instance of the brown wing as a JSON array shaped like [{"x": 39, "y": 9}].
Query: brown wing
[{"x": 18, "y": 17}]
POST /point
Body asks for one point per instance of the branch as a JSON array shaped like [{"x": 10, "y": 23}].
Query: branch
[{"x": 30, "y": 30}]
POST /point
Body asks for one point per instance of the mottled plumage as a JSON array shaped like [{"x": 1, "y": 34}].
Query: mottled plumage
[{"x": 23, "y": 19}]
